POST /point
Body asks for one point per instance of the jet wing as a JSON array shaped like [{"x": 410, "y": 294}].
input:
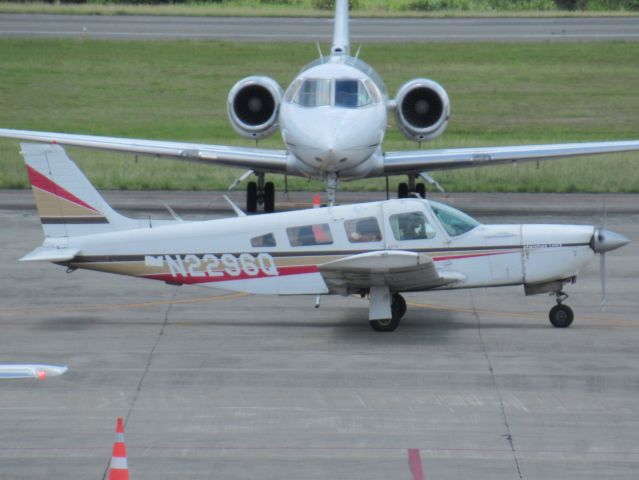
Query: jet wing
[
  {"x": 399, "y": 270},
  {"x": 416, "y": 161},
  {"x": 260, "y": 159}
]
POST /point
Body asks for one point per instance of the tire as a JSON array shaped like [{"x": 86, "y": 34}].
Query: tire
[
  {"x": 420, "y": 189},
  {"x": 398, "y": 307},
  {"x": 402, "y": 190},
  {"x": 251, "y": 197},
  {"x": 561, "y": 316},
  {"x": 386, "y": 325},
  {"x": 269, "y": 197}
]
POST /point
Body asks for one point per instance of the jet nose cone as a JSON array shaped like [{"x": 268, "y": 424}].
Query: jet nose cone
[{"x": 605, "y": 240}]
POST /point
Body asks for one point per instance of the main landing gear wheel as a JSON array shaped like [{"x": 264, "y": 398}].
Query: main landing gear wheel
[
  {"x": 269, "y": 197},
  {"x": 260, "y": 193},
  {"x": 398, "y": 310},
  {"x": 251, "y": 197},
  {"x": 404, "y": 190},
  {"x": 561, "y": 315}
]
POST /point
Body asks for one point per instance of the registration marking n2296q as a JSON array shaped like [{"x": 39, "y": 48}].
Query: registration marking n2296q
[{"x": 209, "y": 265}]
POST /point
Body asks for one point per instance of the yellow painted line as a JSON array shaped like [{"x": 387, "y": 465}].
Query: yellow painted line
[
  {"x": 115, "y": 306},
  {"x": 501, "y": 313}
]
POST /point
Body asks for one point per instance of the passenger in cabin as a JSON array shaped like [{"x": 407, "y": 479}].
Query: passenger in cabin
[{"x": 366, "y": 230}]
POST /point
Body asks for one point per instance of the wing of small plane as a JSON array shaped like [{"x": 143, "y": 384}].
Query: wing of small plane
[
  {"x": 251, "y": 158},
  {"x": 399, "y": 270},
  {"x": 416, "y": 161},
  {"x": 38, "y": 371}
]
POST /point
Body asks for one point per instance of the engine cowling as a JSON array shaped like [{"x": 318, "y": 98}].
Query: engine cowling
[
  {"x": 253, "y": 106},
  {"x": 422, "y": 109}
]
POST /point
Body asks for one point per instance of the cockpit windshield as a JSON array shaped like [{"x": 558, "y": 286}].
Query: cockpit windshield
[
  {"x": 454, "y": 221},
  {"x": 314, "y": 92},
  {"x": 351, "y": 94},
  {"x": 319, "y": 92}
]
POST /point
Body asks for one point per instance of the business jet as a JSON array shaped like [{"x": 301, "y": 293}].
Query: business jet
[
  {"x": 332, "y": 118},
  {"x": 376, "y": 250}
]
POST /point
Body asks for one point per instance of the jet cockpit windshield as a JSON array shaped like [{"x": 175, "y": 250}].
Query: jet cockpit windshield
[
  {"x": 454, "y": 221},
  {"x": 345, "y": 93}
]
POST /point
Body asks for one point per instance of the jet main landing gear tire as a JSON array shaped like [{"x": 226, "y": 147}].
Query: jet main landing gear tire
[{"x": 561, "y": 316}]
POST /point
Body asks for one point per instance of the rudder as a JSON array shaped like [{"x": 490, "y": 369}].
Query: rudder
[{"x": 67, "y": 203}]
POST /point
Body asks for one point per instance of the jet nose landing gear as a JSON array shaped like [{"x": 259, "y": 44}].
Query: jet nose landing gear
[{"x": 561, "y": 315}]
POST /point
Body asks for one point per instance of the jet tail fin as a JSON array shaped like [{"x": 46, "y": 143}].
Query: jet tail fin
[
  {"x": 67, "y": 203},
  {"x": 341, "y": 45}
]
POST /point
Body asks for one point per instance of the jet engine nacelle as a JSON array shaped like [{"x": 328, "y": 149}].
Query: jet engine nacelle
[
  {"x": 253, "y": 106},
  {"x": 422, "y": 109}
]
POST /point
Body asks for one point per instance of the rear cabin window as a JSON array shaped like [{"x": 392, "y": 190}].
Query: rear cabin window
[
  {"x": 308, "y": 235},
  {"x": 362, "y": 230},
  {"x": 266, "y": 240},
  {"x": 411, "y": 226}
]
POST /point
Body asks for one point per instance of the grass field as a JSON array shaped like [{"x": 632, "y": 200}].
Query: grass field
[
  {"x": 500, "y": 93},
  {"x": 364, "y": 8}
]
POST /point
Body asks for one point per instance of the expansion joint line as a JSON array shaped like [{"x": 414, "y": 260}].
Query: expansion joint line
[
  {"x": 508, "y": 435},
  {"x": 146, "y": 368}
]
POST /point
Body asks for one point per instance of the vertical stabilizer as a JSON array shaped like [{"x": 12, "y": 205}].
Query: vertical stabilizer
[
  {"x": 341, "y": 45},
  {"x": 67, "y": 203}
]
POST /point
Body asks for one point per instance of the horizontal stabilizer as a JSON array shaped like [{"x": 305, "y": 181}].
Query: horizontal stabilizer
[{"x": 50, "y": 254}]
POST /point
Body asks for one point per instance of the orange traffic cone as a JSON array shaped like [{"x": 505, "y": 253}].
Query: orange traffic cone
[
  {"x": 119, "y": 470},
  {"x": 316, "y": 201}
]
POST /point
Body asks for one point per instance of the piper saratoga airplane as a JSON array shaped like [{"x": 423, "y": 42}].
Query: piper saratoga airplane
[
  {"x": 332, "y": 118},
  {"x": 377, "y": 249}
]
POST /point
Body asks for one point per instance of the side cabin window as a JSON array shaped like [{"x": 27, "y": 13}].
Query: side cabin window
[
  {"x": 411, "y": 226},
  {"x": 266, "y": 240},
  {"x": 308, "y": 235},
  {"x": 362, "y": 230}
]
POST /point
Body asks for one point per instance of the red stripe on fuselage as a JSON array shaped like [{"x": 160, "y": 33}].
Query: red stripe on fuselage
[
  {"x": 190, "y": 280},
  {"x": 46, "y": 184}
]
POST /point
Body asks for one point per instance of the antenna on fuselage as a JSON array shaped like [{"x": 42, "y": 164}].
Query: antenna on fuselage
[
  {"x": 340, "y": 33},
  {"x": 319, "y": 50}
]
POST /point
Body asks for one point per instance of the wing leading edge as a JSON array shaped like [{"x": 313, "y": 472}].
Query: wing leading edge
[
  {"x": 416, "y": 161},
  {"x": 260, "y": 159}
]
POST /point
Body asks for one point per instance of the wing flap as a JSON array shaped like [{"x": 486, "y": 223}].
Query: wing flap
[
  {"x": 415, "y": 161},
  {"x": 399, "y": 270}
]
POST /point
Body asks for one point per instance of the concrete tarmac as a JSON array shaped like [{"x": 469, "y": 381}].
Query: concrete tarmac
[
  {"x": 475, "y": 384},
  {"x": 368, "y": 30}
]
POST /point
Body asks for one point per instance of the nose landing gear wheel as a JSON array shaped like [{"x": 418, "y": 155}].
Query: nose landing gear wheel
[
  {"x": 398, "y": 310},
  {"x": 561, "y": 316}
]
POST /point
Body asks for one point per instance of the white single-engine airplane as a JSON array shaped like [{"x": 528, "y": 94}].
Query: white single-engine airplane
[
  {"x": 332, "y": 118},
  {"x": 377, "y": 249}
]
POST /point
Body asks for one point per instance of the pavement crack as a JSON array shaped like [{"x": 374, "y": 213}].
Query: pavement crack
[
  {"x": 508, "y": 435},
  {"x": 146, "y": 368}
]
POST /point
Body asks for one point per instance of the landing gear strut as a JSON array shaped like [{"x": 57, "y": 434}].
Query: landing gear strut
[
  {"x": 260, "y": 193},
  {"x": 405, "y": 189},
  {"x": 398, "y": 310},
  {"x": 561, "y": 315}
]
